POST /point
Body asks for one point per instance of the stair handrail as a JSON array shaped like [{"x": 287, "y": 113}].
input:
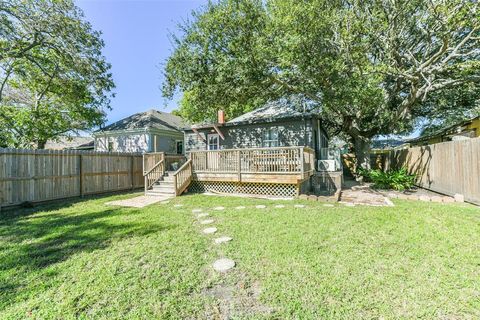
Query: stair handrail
[
  {"x": 154, "y": 167},
  {"x": 184, "y": 176},
  {"x": 148, "y": 185}
]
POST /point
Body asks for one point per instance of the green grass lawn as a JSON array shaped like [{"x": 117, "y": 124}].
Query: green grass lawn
[{"x": 84, "y": 260}]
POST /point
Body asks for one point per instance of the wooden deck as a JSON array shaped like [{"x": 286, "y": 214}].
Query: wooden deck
[
  {"x": 289, "y": 165},
  {"x": 283, "y": 168}
]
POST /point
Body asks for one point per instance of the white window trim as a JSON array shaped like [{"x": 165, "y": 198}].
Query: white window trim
[
  {"x": 176, "y": 146},
  {"x": 268, "y": 143},
  {"x": 208, "y": 140}
]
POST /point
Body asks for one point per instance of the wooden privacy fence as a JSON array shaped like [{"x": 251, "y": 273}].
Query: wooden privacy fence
[
  {"x": 449, "y": 167},
  {"x": 40, "y": 175}
]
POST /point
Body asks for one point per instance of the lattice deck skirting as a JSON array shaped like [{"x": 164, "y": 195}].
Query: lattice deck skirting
[{"x": 247, "y": 188}]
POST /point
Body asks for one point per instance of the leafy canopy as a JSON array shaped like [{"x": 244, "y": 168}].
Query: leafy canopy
[
  {"x": 371, "y": 65},
  {"x": 53, "y": 78}
]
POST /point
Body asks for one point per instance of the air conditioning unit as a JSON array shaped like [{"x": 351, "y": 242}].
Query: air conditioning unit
[{"x": 326, "y": 165}]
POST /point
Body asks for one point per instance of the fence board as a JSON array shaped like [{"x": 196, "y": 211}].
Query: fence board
[
  {"x": 448, "y": 167},
  {"x": 40, "y": 175}
]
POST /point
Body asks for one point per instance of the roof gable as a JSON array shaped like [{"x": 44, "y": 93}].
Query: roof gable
[{"x": 151, "y": 119}]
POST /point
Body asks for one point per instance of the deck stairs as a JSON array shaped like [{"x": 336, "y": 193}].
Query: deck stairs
[{"x": 163, "y": 187}]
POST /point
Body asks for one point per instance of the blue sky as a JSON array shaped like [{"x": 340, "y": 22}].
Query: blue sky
[{"x": 136, "y": 44}]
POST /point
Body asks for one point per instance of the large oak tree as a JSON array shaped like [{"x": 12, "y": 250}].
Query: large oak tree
[
  {"x": 372, "y": 65},
  {"x": 54, "y": 79}
]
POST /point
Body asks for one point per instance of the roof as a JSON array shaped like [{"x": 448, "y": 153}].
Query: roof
[
  {"x": 151, "y": 119},
  {"x": 442, "y": 131},
  {"x": 64, "y": 143},
  {"x": 292, "y": 107}
]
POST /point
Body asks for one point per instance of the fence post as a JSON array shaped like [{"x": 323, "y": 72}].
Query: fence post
[{"x": 81, "y": 175}]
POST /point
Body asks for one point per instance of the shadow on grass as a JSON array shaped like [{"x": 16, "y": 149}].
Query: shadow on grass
[{"x": 30, "y": 244}]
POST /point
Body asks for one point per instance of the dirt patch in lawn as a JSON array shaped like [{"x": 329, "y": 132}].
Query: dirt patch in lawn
[{"x": 241, "y": 299}]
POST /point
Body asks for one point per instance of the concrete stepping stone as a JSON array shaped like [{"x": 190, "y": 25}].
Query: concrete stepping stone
[
  {"x": 240, "y": 207},
  {"x": 260, "y": 206},
  {"x": 222, "y": 240},
  {"x": 279, "y": 206},
  {"x": 208, "y": 221},
  {"x": 196, "y": 210},
  {"x": 223, "y": 265},
  {"x": 210, "y": 230},
  {"x": 299, "y": 206},
  {"x": 202, "y": 215},
  {"x": 219, "y": 208},
  {"x": 328, "y": 205},
  {"x": 178, "y": 205}
]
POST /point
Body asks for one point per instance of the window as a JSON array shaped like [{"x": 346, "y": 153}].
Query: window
[
  {"x": 270, "y": 138},
  {"x": 179, "y": 147},
  {"x": 213, "y": 141}
]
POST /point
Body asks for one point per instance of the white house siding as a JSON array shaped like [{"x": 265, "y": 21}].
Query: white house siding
[{"x": 138, "y": 142}]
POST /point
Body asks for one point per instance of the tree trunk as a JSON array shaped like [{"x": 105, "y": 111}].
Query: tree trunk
[
  {"x": 41, "y": 144},
  {"x": 362, "y": 152}
]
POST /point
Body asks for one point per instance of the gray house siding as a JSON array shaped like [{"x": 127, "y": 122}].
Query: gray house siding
[{"x": 294, "y": 132}]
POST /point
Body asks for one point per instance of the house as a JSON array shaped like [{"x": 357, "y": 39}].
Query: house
[
  {"x": 271, "y": 151},
  {"x": 281, "y": 123},
  {"x": 464, "y": 130},
  {"x": 149, "y": 131},
  {"x": 70, "y": 143}
]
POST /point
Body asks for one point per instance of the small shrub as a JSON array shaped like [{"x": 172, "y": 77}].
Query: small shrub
[{"x": 398, "y": 179}]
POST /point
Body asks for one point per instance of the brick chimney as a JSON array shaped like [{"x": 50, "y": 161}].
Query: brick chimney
[{"x": 221, "y": 116}]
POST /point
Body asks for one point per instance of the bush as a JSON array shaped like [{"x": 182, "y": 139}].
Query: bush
[{"x": 398, "y": 179}]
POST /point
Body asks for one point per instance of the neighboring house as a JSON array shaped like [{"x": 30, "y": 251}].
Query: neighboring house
[
  {"x": 70, "y": 143},
  {"x": 464, "y": 130},
  {"x": 150, "y": 131},
  {"x": 281, "y": 123}
]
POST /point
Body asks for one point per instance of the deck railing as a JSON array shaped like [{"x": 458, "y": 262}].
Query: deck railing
[
  {"x": 182, "y": 177},
  {"x": 279, "y": 160},
  {"x": 151, "y": 159},
  {"x": 154, "y": 174}
]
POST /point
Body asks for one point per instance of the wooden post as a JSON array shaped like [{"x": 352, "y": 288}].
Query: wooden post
[
  {"x": 175, "y": 184},
  {"x": 132, "y": 178},
  {"x": 302, "y": 161},
  {"x": 239, "y": 166},
  {"x": 81, "y": 175}
]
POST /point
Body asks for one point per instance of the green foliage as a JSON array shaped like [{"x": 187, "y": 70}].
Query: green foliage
[
  {"x": 396, "y": 179},
  {"x": 53, "y": 78},
  {"x": 370, "y": 64}
]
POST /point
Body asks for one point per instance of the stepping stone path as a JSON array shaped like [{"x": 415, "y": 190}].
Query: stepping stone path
[
  {"x": 260, "y": 206},
  {"x": 223, "y": 265},
  {"x": 208, "y": 221},
  {"x": 178, "y": 205},
  {"x": 222, "y": 240},
  {"x": 196, "y": 210},
  {"x": 210, "y": 230},
  {"x": 299, "y": 206},
  {"x": 240, "y": 207},
  {"x": 202, "y": 215},
  {"x": 219, "y": 208},
  {"x": 279, "y": 206}
]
